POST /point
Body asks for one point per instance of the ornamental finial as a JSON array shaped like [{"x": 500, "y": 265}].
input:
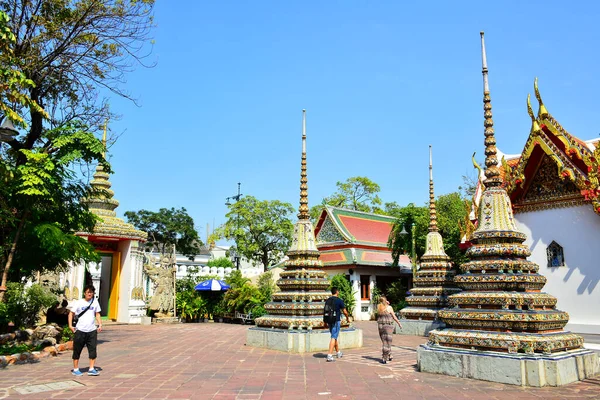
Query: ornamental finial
[
  {"x": 432, "y": 213},
  {"x": 542, "y": 112},
  {"x": 535, "y": 127},
  {"x": 303, "y": 210},
  {"x": 104, "y": 139},
  {"x": 492, "y": 174}
]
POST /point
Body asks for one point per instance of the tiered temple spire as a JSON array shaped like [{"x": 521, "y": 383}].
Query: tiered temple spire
[
  {"x": 303, "y": 284},
  {"x": 501, "y": 307},
  {"x": 434, "y": 280},
  {"x": 101, "y": 203}
]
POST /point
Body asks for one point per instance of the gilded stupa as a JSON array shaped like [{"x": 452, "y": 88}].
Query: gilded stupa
[
  {"x": 433, "y": 282},
  {"x": 501, "y": 308},
  {"x": 102, "y": 204},
  {"x": 299, "y": 304}
]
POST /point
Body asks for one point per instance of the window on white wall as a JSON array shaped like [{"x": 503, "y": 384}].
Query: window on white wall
[{"x": 556, "y": 256}]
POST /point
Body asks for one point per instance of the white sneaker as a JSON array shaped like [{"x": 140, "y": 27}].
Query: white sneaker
[
  {"x": 339, "y": 354},
  {"x": 329, "y": 358}
]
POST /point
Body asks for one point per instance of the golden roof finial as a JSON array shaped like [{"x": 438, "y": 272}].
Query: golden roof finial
[
  {"x": 432, "y": 213},
  {"x": 104, "y": 138},
  {"x": 535, "y": 127},
  {"x": 529, "y": 108},
  {"x": 303, "y": 210},
  {"x": 492, "y": 174},
  {"x": 542, "y": 112}
]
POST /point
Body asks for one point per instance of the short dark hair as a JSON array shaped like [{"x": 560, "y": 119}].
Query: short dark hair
[
  {"x": 334, "y": 290},
  {"x": 91, "y": 288}
]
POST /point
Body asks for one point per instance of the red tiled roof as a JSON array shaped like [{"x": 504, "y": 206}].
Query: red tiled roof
[{"x": 367, "y": 230}]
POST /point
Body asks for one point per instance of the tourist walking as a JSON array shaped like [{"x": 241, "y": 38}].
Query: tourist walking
[
  {"x": 385, "y": 324},
  {"x": 87, "y": 313},
  {"x": 338, "y": 308}
]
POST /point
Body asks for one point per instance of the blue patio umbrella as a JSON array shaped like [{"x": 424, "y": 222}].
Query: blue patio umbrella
[{"x": 214, "y": 285}]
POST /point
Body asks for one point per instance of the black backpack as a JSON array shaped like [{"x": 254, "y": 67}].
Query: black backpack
[{"x": 329, "y": 311}]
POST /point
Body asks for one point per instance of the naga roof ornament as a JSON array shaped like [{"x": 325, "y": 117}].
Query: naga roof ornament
[
  {"x": 103, "y": 205},
  {"x": 501, "y": 307},
  {"x": 304, "y": 283},
  {"x": 550, "y": 147},
  {"x": 434, "y": 280}
]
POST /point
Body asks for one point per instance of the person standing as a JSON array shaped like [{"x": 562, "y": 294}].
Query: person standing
[
  {"x": 86, "y": 329},
  {"x": 385, "y": 325},
  {"x": 339, "y": 307}
]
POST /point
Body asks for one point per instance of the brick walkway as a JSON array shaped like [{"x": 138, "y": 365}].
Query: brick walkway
[{"x": 211, "y": 361}]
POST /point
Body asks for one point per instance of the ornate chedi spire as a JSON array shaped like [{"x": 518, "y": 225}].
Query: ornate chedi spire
[
  {"x": 434, "y": 280},
  {"x": 501, "y": 307},
  {"x": 102, "y": 204},
  {"x": 303, "y": 284}
]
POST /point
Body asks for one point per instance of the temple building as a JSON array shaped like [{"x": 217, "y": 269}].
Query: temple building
[
  {"x": 119, "y": 276},
  {"x": 553, "y": 187},
  {"x": 502, "y": 327},
  {"x": 433, "y": 281},
  {"x": 354, "y": 243},
  {"x": 294, "y": 319}
]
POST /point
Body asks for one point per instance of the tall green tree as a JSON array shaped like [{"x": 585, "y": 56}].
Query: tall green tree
[
  {"x": 451, "y": 213},
  {"x": 356, "y": 193},
  {"x": 72, "y": 52},
  {"x": 415, "y": 221},
  {"x": 14, "y": 84},
  {"x": 167, "y": 228},
  {"x": 56, "y": 59},
  {"x": 262, "y": 229},
  {"x": 41, "y": 209}
]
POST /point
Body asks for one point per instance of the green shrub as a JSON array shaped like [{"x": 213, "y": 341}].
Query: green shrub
[
  {"x": 346, "y": 294},
  {"x": 190, "y": 305},
  {"x": 258, "y": 311},
  {"x": 8, "y": 349},
  {"x": 396, "y": 295},
  {"x": 23, "y": 306},
  {"x": 66, "y": 335}
]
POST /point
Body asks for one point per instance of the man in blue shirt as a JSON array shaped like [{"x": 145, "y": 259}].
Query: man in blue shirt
[{"x": 339, "y": 308}]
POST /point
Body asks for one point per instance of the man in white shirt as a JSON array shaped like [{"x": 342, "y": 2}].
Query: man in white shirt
[{"x": 86, "y": 332}]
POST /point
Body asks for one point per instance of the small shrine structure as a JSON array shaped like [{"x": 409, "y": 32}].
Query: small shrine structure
[
  {"x": 118, "y": 278},
  {"x": 433, "y": 281},
  {"x": 354, "y": 243},
  {"x": 294, "y": 319},
  {"x": 502, "y": 328}
]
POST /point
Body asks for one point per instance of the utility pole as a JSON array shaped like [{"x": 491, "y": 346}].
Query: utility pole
[{"x": 237, "y": 198}]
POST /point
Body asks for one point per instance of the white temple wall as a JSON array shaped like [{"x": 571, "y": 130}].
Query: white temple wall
[
  {"x": 575, "y": 285},
  {"x": 137, "y": 303},
  {"x": 125, "y": 280},
  {"x": 71, "y": 281}
]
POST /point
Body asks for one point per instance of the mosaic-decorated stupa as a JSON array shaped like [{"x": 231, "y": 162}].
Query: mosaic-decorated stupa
[
  {"x": 434, "y": 280},
  {"x": 303, "y": 284},
  {"x": 102, "y": 204},
  {"x": 501, "y": 307}
]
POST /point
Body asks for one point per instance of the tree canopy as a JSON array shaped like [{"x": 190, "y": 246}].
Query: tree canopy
[
  {"x": 450, "y": 212},
  {"x": 262, "y": 229},
  {"x": 71, "y": 53},
  {"x": 356, "y": 193},
  {"x": 167, "y": 228},
  {"x": 56, "y": 60}
]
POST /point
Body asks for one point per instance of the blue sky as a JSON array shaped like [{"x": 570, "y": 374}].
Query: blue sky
[{"x": 380, "y": 81}]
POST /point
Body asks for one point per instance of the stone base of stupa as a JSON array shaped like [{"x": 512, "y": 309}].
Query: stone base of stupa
[
  {"x": 301, "y": 341},
  {"x": 516, "y": 369},
  {"x": 417, "y": 327}
]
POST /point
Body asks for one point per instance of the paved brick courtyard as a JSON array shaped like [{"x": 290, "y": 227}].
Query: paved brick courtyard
[{"x": 210, "y": 361}]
